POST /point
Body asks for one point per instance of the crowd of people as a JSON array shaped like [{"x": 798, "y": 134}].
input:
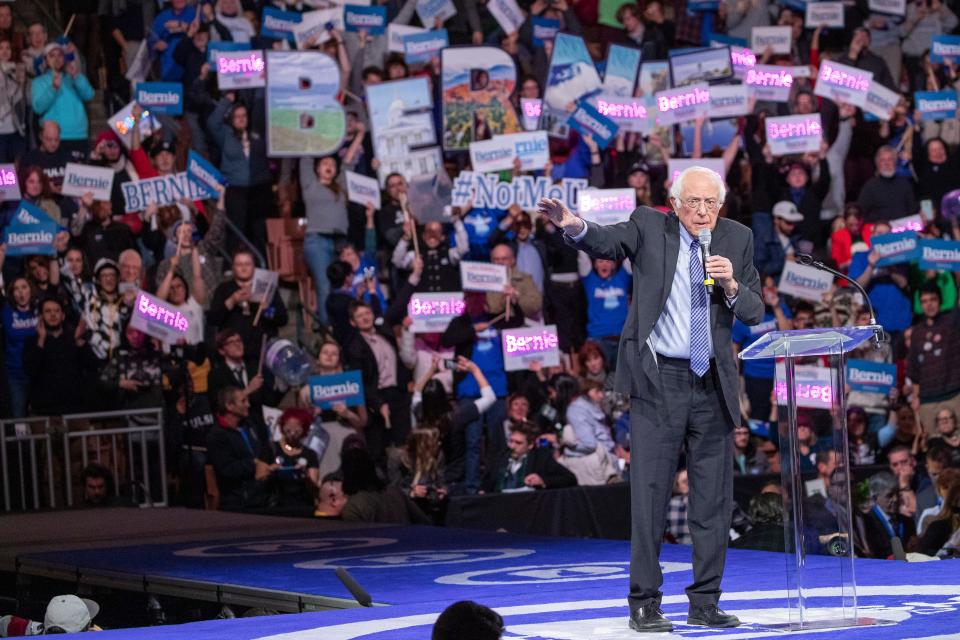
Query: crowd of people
[{"x": 441, "y": 416}]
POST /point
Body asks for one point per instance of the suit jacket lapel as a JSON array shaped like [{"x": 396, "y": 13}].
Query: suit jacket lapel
[
  {"x": 718, "y": 247},
  {"x": 671, "y": 249}
]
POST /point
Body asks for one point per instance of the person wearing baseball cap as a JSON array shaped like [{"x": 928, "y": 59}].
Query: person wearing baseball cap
[
  {"x": 775, "y": 242},
  {"x": 638, "y": 179},
  {"x": 70, "y": 614}
]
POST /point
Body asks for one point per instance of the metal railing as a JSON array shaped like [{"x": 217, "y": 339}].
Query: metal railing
[
  {"x": 20, "y": 461},
  {"x": 140, "y": 434}
]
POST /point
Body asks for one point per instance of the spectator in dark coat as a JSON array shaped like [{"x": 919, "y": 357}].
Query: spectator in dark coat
[
  {"x": 527, "y": 465},
  {"x": 884, "y": 522},
  {"x": 370, "y": 500},
  {"x": 234, "y": 306},
  {"x": 886, "y": 195},
  {"x": 53, "y": 362},
  {"x": 232, "y": 450}
]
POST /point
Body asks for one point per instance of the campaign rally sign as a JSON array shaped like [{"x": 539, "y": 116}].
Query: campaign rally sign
[
  {"x": 606, "y": 206},
  {"x": 842, "y": 83},
  {"x": 122, "y": 123},
  {"x": 315, "y": 27},
  {"x": 824, "y": 14},
  {"x": 588, "y": 121},
  {"x": 544, "y": 29},
  {"x": 944, "y": 47},
  {"x": 530, "y": 344},
  {"x": 430, "y": 10},
  {"x": 80, "y": 179},
  {"x": 907, "y": 223},
  {"x": 743, "y": 60},
  {"x": 362, "y": 189},
  {"x": 487, "y": 192},
  {"x": 723, "y": 40},
  {"x": 943, "y": 255},
  {"x": 872, "y": 377},
  {"x": 695, "y": 66},
  {"x": 507, "y": 14},
  {"x": 162, "y": 190},
  {"x": 218, "y": 46},
  {"x": 936, "y": 105},
  {"x": 729, "y": 100},
  {"x": 620, "y": 74},
  {"x": 778, "y": 39},
  {"x": 880, "y": 102},
  {"x": 264, "y": 285},
  {"x": 204, "y": 175},
  {"x": 675, "y": 166},
  {"x": 496, "y": 154},
  {"x": 794, "y": 134},
  {"x": 9, "y": 183},
  {"x": 483, "y": 276},
  {"x": 304, "y": 117},
  {"x": 894, "y": 248},
  {"x": 345, "y": 388},
  {"x": 769, "y": 82},
  {"x": 420, "y": 47},
  {"x": 682, "y": 104},
  {"x": 630, "y": 114},
  {"x": 530, "y": 113},
  {"x": 161, "y": 97},
  {"x": 893, "y": 7},
  {"x": 31, "y": 232},
  {"x": 572, "y": 75},
  {"x": 372, "y": 19},
  {"x": 278, "y": 24},
  {"x": 803, "y": 281},
  {"x": 531, "y": 148},
  {"x": 240, "y": 70},
  {"x": 397, "y": 32},
  {"x": 432, "y": 312},
  {"x": 158, "y": 318},
  {"x": 813, "y": 386}
]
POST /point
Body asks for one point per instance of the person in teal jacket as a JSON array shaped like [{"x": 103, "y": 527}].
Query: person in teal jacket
[{"x": 59, "y": 95}]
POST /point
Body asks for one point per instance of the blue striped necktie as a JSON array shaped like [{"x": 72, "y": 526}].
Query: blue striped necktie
[{"x": 699, "y": 315}]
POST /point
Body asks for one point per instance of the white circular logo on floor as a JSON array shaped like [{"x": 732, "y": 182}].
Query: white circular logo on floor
[
  {"x": 415, "y": 559},
  {"x": 553, "y": 573},
  {"x": 256, "y": 548}
]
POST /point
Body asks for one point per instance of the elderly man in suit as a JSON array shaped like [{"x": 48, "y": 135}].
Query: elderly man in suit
[{"x": 676, "y": 364}]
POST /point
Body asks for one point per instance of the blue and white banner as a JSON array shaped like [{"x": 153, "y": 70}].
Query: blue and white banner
[
  {"x": 942, "y": 255},
  {"x": 778, "y": 39},
  {"x": 824, "y": 14},
  {"x": 31, "y": 232},
  {"x": 80, "y": 179},
  {"x": 682, "y": 104},
  {"x": 345, "y": 388},
  {"x": 240, "y": 70},
  {"x": 880, "y": 102},
  {"x": 204, "y": 174},
  {"x": 843, "y": 83},
  {"x": 483, "y": 276},
  {"x": 158, "y": 318},
  {"x": 420, "y": 47},
  {"x": 507, "y": 14},
  {"x": 703, "y": 5},
  {"x": 531, "y": 148},
  {"x": 769, "y": 82},
  {"x": 944, "y": 47},
  {"x": 787, "y": 135},
  {"x": 814, "y": 386},
  {"x": 161, "y": 97},
  {"x": 162, "y": 190},
  {"x": 278, "y": 24},
  {"x": 430, "y": 10},
  {"x": 587, "y": 120},
  {"x": 893, "y": 7},
  {"x": 722, "y": 40},
  {"x": 895, "y": 248},
  {"x": 606, "y": 206},
  {"x": 487, "y": 192},
  {"x": 936, "y": 105},
  {"x": 316, "y": 26},
  {"x": 372, "y": 19},
  {"x": 620, "y": 74},
  {"x": 729, "y": 100},
  {"x": 521, "y": 347},
  {"x": 803, "y": 281},
  {"x": 363, "y": 189},
  {"x": 496, "y": 154},
  {"x": 432, "y": 312},
  {"x": 630, "y": 114},
  {"x": 213, "y": 48},
  {"x": 697, "y": 66},
  {"x": 544, "y": 29},
  {"x": 572, "y": 76},
  {"x": 872, "y": 377}
]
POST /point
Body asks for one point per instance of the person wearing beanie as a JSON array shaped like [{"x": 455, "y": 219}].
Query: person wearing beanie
[{"x": 59, "y": 95}]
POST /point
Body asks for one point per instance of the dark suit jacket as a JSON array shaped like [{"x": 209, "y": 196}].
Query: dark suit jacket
[
  {"x": 539, "y": 461},
  {"x": 651, "y": 240},
  {"x": 357, "y": 354}
]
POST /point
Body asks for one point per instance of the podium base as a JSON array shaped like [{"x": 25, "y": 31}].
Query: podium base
[{"x": 830, "y": 623}]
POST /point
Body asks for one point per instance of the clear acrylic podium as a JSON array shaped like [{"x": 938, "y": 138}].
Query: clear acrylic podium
[{"x": 818, "y": 533}]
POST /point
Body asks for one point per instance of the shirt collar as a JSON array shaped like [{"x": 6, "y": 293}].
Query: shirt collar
[{"x": 685, "y": 236}]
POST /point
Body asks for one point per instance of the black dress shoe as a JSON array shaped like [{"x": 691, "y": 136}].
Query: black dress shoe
[
  {"x": 649, "y": 618},
  {"x": 711, "y": 615}
]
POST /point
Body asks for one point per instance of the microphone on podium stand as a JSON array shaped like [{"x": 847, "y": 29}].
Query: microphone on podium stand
[{"x": 879, "y": 336}]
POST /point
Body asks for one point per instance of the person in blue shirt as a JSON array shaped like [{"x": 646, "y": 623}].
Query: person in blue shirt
[
  {"x": 607, "y": 289},
  {"x": 480, "y": 224},
  {"x": 888, "y": 287},
  {"x": 59, "y": 95},
  {"x": 168, "y": 28},
  {"x": 758, "y": 374},
  {"x": 19, "y": 318}
]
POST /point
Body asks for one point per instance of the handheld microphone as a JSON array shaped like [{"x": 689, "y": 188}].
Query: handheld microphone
[{"x": 705, "y": 237}]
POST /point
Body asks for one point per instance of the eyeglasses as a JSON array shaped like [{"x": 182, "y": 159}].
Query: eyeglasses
[
  {"x": 693, "y": 204},
  {"x": 945, "y": 419}
]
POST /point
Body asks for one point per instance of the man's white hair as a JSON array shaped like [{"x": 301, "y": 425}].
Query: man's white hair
[{"x": 676, "y": 189}]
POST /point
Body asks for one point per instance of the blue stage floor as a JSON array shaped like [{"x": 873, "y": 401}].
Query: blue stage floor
[{"x": 546, "y": 588}]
